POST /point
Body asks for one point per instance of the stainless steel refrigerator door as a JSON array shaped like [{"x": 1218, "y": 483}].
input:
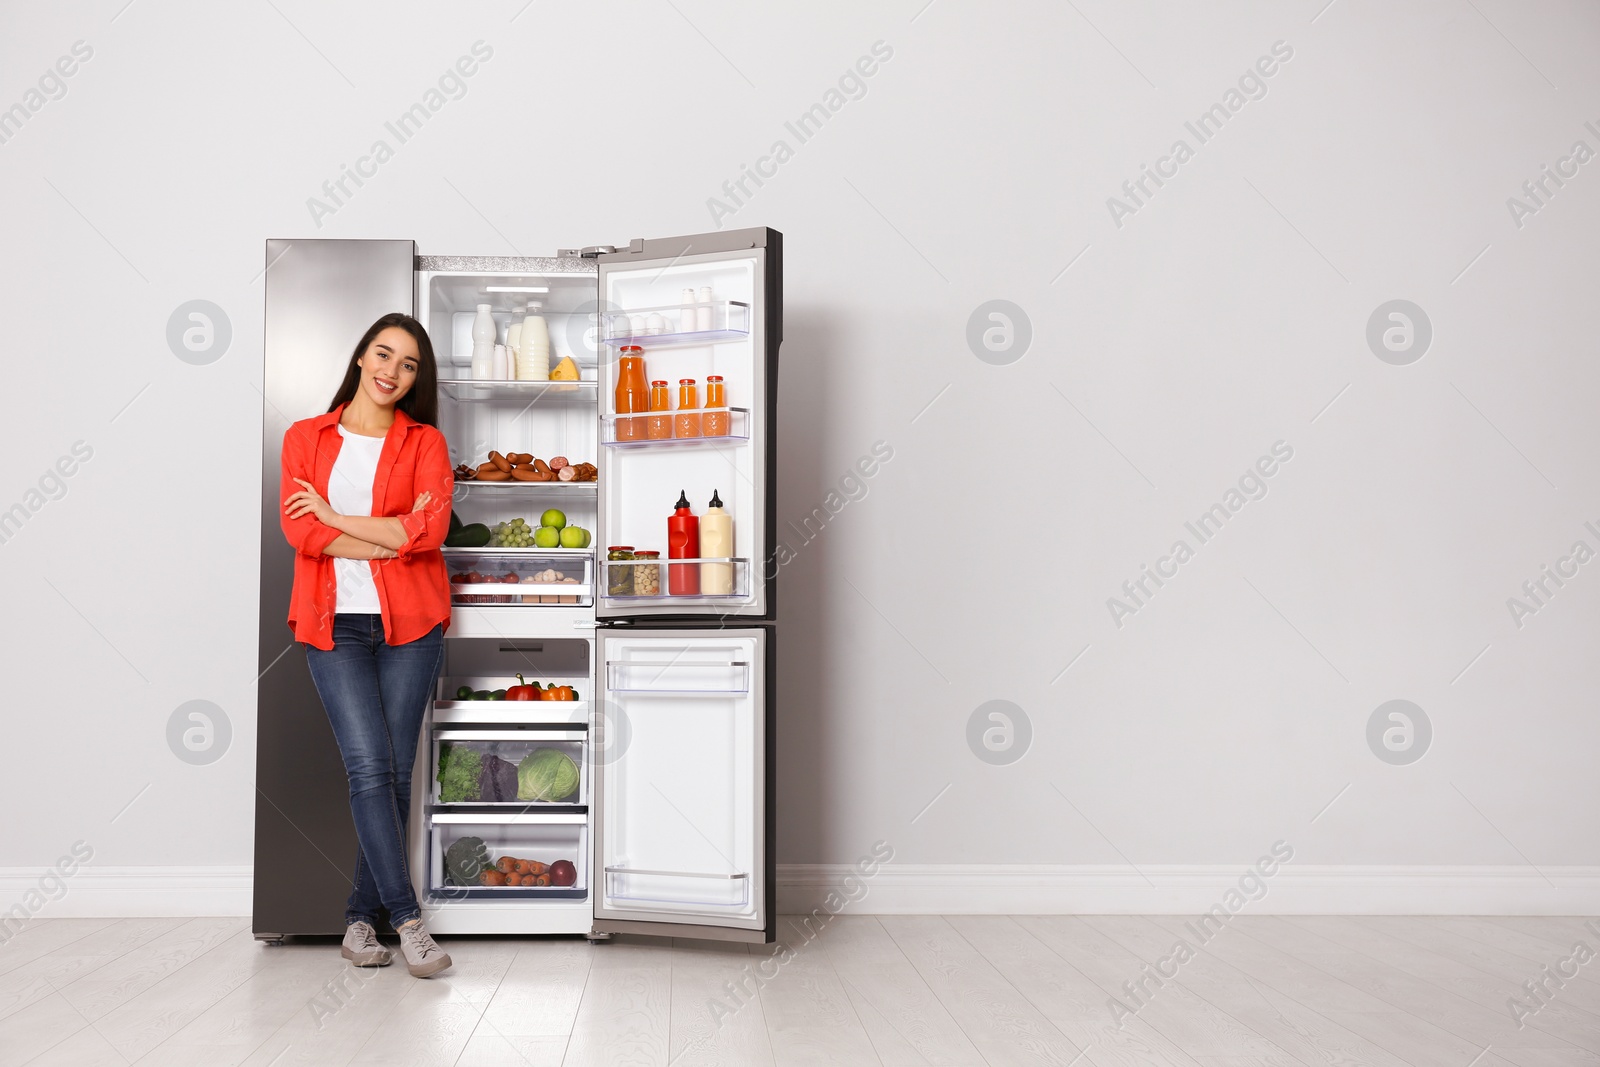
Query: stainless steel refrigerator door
[
  {"x": 640, "y": 479},
  {"x": 320, "y": 298},
  {"x": 682, "y": 793}
]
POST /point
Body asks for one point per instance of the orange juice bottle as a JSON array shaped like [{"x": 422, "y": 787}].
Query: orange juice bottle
[
  {"x": 686, "y": 423},
  {"x": 714, "y": 421},
  {"x": 659, "y": 424}
]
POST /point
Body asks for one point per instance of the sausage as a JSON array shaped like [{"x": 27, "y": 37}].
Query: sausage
[
  {"x": 493, "y": 476},
  {"x": 557, "y": 462},
  {"x": 500, "y": 462},
  {"x": 526, "y": 474},
  {"x": 567, "y": 474}
]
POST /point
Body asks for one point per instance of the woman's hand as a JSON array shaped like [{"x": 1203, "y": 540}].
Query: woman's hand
[
  {"x": 422, "y": 501},
  {"x": 307, "y": 501}
]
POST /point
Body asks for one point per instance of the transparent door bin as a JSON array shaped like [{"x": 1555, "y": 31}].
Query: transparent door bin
[
  {"x": 486, "y": 767},
  {"x": 693, "y": 888},
  {"x": 521, "y": 576},
  {"x": 677, "y": 676},
  {"x": 541, "y": 840},
  {"x": 632, "y": 431},
  {"x": 699, "y": 581},
  {"x": 680, "y": 325}
]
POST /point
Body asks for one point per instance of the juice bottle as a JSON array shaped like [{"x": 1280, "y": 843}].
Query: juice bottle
[
  {"x": 714, "y": 421},
  {"x": 687, "y": 422},
  {"x": 683, "y": 542},
  {"x": 659, "y": 424},
  {"x": 633, "y": 393}
]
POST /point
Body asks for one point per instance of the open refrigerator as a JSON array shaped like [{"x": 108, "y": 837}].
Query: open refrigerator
[{"x": 668, "y": 828}]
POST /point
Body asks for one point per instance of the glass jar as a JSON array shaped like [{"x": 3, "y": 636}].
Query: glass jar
[
  {"x": 714, "y": 420},
  {"x": 619, "y": 580},
  {"x": 658, "y": 426},
  {"x": 647, "y": 576},
  {"x": 633, "y": 394},
  {"x": 686, "y": 423}
]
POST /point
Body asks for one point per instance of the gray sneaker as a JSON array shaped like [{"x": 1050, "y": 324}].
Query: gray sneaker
[
  {"x": 361, "y": 946},
  {"x": 423, "y": 955}
]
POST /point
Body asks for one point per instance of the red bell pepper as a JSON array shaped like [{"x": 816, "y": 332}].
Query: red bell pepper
[{"x": 524, "y": 690}]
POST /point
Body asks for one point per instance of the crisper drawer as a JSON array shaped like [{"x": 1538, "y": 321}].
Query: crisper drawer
[
  {"x": 521, "y": 769},
  {"x": 540, "y": 577},
  {"x": 494, "y": 857}
]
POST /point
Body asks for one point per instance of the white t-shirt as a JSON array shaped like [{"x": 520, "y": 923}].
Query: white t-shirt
[{"x": 350, "y": 493}]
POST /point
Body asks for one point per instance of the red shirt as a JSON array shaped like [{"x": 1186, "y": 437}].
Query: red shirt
[{"x": 413, "y": 589}]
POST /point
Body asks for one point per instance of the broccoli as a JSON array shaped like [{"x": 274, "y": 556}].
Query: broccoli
[
  {"x": 459, "y": 769},
  {"x": 464, "y": 860}
]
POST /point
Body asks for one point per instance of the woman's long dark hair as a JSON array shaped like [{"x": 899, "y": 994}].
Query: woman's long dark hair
[{"x": 421, "y": 402}]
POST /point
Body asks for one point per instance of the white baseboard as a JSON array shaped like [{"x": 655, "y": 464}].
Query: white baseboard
[
  {"x": 1294, "y": 889},
  {"x": 932, "y": 889},
  {"x": 95, "y": 892}
]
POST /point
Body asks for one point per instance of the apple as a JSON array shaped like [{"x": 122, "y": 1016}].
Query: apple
[
  {"x": 574, "y": 537},
  {"x": 547, "y": 537},
  {"x": 553, "y": 518}
]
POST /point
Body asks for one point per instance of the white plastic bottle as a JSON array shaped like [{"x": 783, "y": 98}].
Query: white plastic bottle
[
  {"x": 716, "y": 542},
  {"x": 687, "y": 319},
  {"x": 497, "y": 369},
  {"x": 533, "y": 348},
  {"x": 483, "y": 335},
  {"x": 513, "y": 331},
  {"x": 703, "y": 316}
]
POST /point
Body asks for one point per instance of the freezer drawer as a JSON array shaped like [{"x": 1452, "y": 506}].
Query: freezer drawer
[
  {"x": 542, "y": 841},
  {"x": 485, "y": 767},
  {"x": 681, "y": 793}
]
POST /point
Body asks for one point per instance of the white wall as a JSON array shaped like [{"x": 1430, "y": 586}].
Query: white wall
[{"x": 1228, "y": 313}]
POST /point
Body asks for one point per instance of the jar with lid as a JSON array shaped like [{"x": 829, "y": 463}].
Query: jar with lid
[
  {"x": 658, "y": 425},
  {"x": 686, "y": 423},
  {"x": 633, "y": 394},
  {"x": 647, "y": 575},
  {"x": 714, "y": 420},
  {"x": 619, "y": 580}
]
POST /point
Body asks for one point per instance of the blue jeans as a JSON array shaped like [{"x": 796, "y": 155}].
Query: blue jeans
[{"x": 375, "y": 694}]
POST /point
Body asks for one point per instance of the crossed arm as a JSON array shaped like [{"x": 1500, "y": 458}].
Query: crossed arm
[{"x": 360, "y": 536}]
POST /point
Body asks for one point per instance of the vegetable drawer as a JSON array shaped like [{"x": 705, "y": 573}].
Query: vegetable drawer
[
  {"x": 522, "y": 769},
  {"x": 490, "y": 856}
]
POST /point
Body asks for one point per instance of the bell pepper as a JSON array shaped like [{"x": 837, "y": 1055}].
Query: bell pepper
[{"x": 523, "y": 690}]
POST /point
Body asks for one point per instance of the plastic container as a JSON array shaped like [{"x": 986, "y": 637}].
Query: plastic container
[
  {"x": 533, "y": 349},
  {"x": 683, "y": 542},
  {"x": 716, "y": 542},
  {"x": 483, "y": 335},
  {"x": 702, "y": 314}
]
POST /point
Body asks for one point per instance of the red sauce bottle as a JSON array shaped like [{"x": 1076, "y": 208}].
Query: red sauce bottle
[{"x": 683, "y": 542}]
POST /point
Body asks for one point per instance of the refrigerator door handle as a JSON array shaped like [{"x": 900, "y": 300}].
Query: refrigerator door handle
[{"x": 593, "y": 624}]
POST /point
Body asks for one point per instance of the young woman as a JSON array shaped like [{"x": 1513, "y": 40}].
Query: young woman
[{"x": 366, "y": 504}]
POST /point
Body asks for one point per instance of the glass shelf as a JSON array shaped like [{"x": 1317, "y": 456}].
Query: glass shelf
[
  {"x": 541, "y": 392},
  {"x": 738, "y": 430},
  {"x": 540, "y": 487},
  {"x": 730, "y": 321}
]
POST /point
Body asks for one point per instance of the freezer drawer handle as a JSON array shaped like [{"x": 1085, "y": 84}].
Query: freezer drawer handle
[
  {"x": 674, "y": 663},
  {"x": 534, "y": 735},
  {"x": 678, "y": 874}
]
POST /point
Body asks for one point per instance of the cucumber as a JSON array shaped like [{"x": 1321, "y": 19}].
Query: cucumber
[{"x": 472, "y": 535}]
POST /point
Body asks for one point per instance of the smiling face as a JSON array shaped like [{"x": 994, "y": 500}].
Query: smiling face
[{"x": 389, "y": 366}]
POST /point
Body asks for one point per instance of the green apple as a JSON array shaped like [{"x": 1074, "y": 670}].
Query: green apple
[
  {"x": 547, "y": 537},
  {"x": 553, "y": 518},
  {"x": 574, "y": 537},
  {"x": 587, "y": 539}
]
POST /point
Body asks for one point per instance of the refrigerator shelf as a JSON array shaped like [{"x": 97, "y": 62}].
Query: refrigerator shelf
[
  {"x": 533, "y": 714},
  {"x": 536, "y": 392},
  {"x": 677, "y": 677},
  {"x": 517, "y": 553},
  {"x": 531, "y": 487},
  {"x": 738, "y": 431},
  {"x": 730, "y": 321}
]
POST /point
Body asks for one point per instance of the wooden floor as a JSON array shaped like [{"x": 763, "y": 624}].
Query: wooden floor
[{"x": 912, "y": 990}]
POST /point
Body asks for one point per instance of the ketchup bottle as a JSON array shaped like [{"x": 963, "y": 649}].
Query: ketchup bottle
[{"x": 683, "y": 542}]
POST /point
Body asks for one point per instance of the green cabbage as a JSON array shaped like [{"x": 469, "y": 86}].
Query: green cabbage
[
  {"x": 464, "y": 860},
  {"x": 546, "y": 774}
]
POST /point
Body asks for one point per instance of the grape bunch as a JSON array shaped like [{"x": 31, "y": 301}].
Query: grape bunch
[{"x": 514, "y": 534}]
